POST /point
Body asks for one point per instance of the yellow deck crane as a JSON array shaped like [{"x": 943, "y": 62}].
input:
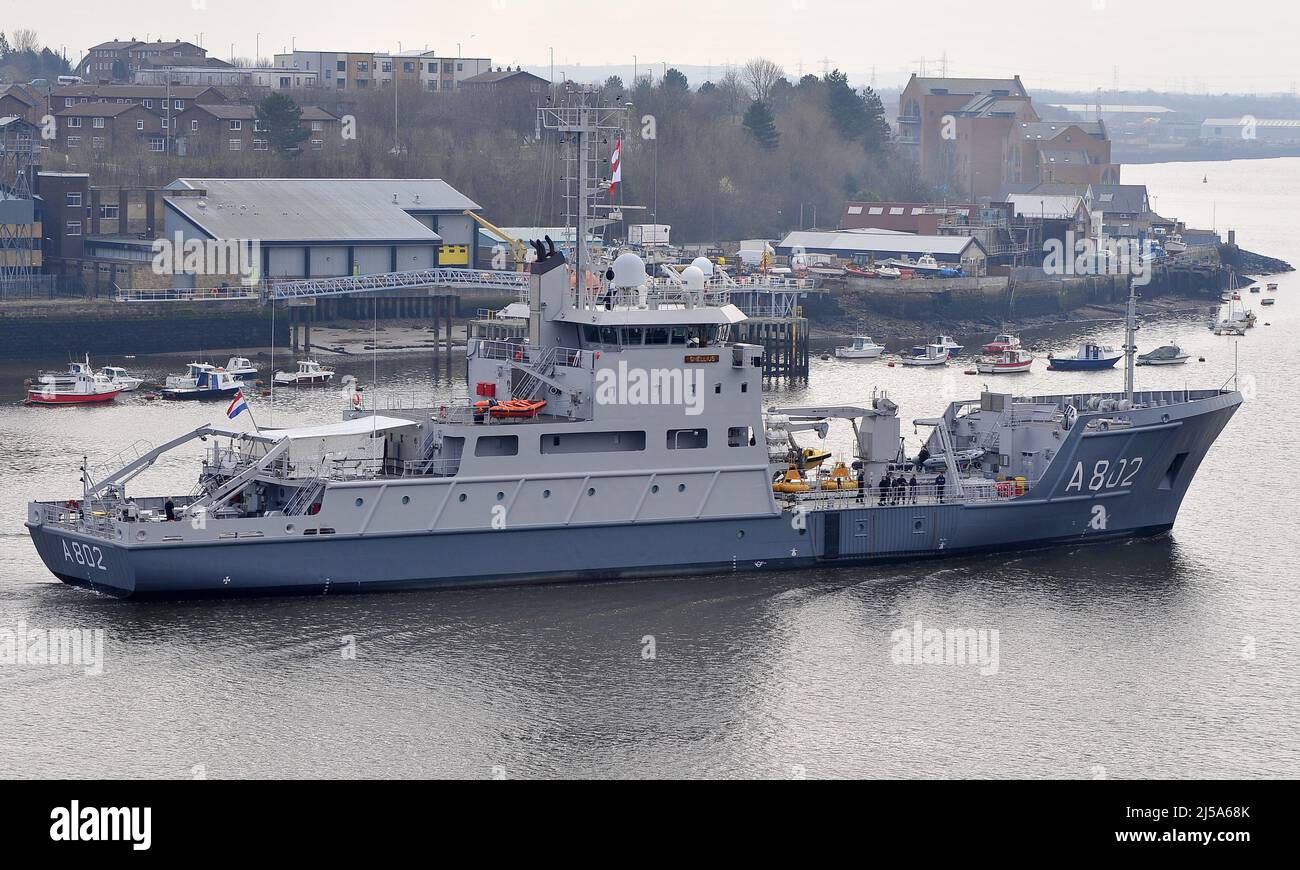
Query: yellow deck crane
[{"x": 517, "y": 248}]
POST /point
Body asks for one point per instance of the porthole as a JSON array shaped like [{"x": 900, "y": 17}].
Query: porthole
[
  {"x": 406, "y": 499},
  {"x": 140, "y": 535},
  {"x": 591, "y": 490},
  {"x": 463, "y": 497},
  {"x": 546, "y": 493},
  {"x": 359, "y": 502},
  {"x": 740, "y": 534},
  {"x": 501, "y": 496},
  {"x": 654, "y": 488},
  {"x": 681, "y": 487}
]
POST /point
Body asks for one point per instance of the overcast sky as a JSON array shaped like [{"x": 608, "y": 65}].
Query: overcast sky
[{"x": 1194, "y": 45}]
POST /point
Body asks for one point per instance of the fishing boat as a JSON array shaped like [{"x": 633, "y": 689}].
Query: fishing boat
[
  {"x": 954, "y": 349},
  {"x": 861, "y": 348},
  {"x": 241, "y": 368},
  {"x": 122, "y": 379},
  {"x": 886, "y": 271},
  {"x": 309, "y": 373},
  {"x": 68, "y": 376},
  {"x": 931, "y": 355},
  {"x": 210, "y": 383},
  {"x": 1165, "y": 355},
  {"x": 85, "y": 389},
  {"x": 860, "y": 271},
  {"x": 1175, "y": 244},
  {"x": 1003, "y": 341},
  {"x": 1008, "y": 362},
  {"x": 191, "y": 377},
  {"x": 1088, "y": 357}
]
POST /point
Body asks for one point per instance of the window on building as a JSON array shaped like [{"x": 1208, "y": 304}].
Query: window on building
[
  {"x": 68, "y": 101},
  {"x": 363, "y": 66},
  {"x": 178, "y": 104},
  {"x": 74, "y": 141},
  {"x": 361, "y": 83},
  {"x": 74, "y": 122},
  {"x": 341, "y": 66},
  {"x": 236, "y": 144},
  {"x": 194, "y": 126},
  {"x": 340, "y": 83},
  {"x": 446, "y": 67},
  {"x": 257, "y": 126},
  {"x": 317, "y": 144},
  {"x": 97, "y": 123},
  {"x": 139, "y": 125},
  {"x": 259, "y": 145},
  {"x": 74, "y": 198},
  {"x": 236, "y": 125},
  {"x": 156, "y": 144},
  {"x": 73, "y": 228},
  {"x": 148, "y": 104},
  {"x": 407, "y": 66},
  {"x": 165, "y": 123},
  {"x": 317, "y": 126},
  {"x": 460, "y": 67},
  {"x": 108, "y": 212},
  {"x": 97, "y": 142}
]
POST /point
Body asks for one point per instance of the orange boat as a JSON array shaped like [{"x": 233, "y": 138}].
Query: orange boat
[{"x": 509, "y": 408}]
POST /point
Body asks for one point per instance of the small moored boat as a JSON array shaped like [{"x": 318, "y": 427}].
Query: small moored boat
[
  {"x": 122, "y": 379},
  {"x": 85, "y": 389},
  {"x": 954, "y": 349},
  {"x": 1165, "y": 355},
  {"x": 1089, "y": 357},
  {"x": 1003, "y": 341},
  {"x": 861, "y": 348},
  {"x": 1008, "y": 362},
  {"x": 240, "y": 367},
  {"x": 932, "y": 355},
  {"x": 210, "y": 383},
  {"x": 309, "y": 373}
]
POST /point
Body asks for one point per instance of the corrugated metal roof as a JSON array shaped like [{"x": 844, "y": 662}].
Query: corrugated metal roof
[
  {"x": 863, "y": 242},
  {"x": 317, "y": 209},
  {"x": 1046, "y": 205}
]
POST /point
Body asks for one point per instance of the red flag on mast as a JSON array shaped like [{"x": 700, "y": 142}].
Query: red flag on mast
[{"x": 615, "y": 163}]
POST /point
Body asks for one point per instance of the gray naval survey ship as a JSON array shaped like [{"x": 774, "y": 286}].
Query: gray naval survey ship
[
  {"x": 624, "y": 436},
  {"x": 617, "y": 431}
]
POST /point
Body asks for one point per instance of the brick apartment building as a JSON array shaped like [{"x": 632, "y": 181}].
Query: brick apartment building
[
  {"x": 206, "y": 129},
  {"x": 102, "y": 131},
  {"x": 118, "y": 60},
  {"x": 972, "y": 136}
]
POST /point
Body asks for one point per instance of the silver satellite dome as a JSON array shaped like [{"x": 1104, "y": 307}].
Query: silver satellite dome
[
  {"x": 704, "y": 264},
  {"x": 629, "y": 271}
]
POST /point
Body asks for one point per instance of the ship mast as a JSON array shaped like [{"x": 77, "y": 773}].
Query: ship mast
[
  {"x": 1130, "y": 340},
  {"x": 580, "y": 121}
]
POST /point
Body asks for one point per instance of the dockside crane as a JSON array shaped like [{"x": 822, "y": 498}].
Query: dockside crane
[{"x": 517, "y": 248}]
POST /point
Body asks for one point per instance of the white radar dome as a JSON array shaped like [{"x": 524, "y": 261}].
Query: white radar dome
[
  {"x": 629, "y": 271},
  {"x": 704, "y": 264},
  {"x": 693, "y": 278}
]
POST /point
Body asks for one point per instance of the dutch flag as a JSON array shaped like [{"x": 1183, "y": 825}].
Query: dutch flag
[{"x": 237, "y": 406}]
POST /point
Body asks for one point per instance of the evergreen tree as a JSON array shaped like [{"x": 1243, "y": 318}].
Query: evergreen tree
[
  {"x": 675, "y": 80},
  {"x": 281, "y": 120},
  {"x": 847, "y": 110},
  {"x": 760, "y": 124},
  {"x": 4, "y": 46},
  {"x": 877, "y": 134}
]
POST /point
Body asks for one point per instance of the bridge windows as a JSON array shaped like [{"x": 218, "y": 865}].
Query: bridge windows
[
  {"x": 497, "y": 445},
  {"x": 594, "y": 442},
  {"x": 688, "y": 439}
]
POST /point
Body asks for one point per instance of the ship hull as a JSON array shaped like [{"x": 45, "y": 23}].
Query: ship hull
[{"x": 1062, "y": 509}]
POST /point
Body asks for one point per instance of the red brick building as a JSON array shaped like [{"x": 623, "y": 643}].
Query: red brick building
[{"x": 100, "y": 131}]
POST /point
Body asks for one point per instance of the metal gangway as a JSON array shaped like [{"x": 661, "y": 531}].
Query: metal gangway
[{"x": 278, "y": 290}]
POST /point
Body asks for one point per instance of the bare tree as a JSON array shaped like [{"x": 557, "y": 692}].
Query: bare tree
[
  {"x": 25, "y": 39},
  {"x": 732, "y": 92},
  {"x": 761, "y": 75}
]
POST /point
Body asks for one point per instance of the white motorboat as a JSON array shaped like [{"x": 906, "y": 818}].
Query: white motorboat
[
  {"x": 241, "y": 368},
  {"x": 68, "y": 377},
  {"x": 934, "y": 355},
  {"x": 885, "y": 271},
  {"x": 309, "y": 373},
  {"x": 862, "y": 348},
  {"x": 193, "y": 372},
  {"x": 86, "y": 389},
  {"x": 1165, "y": 355},
  {"x": 1008, "y": 362},
  {"x": 1001, "y": 342},
  {"x": 122, "y": 379}
]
